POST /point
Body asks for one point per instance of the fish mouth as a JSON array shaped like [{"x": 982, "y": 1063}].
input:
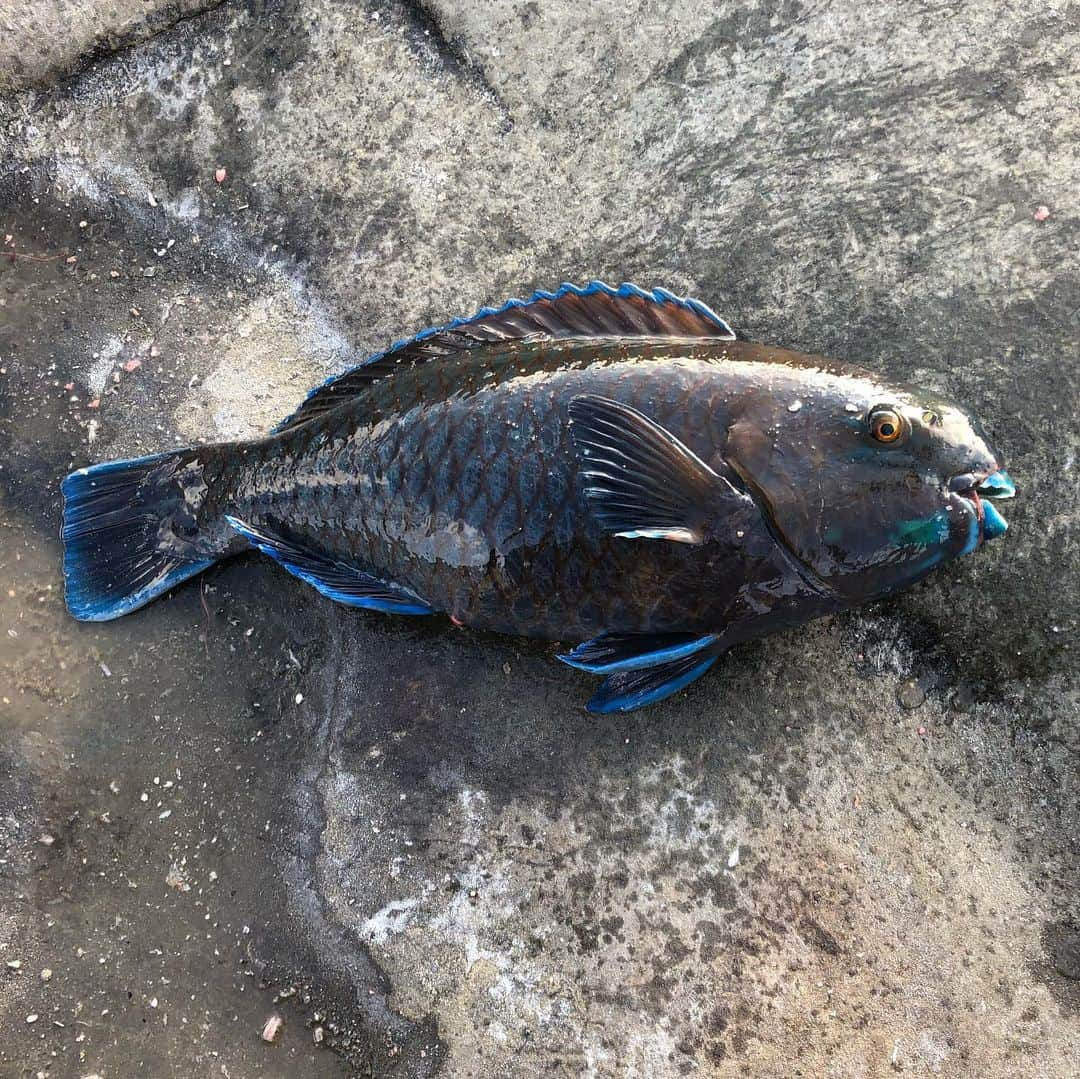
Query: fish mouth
[{"x": 980, "y": 490}]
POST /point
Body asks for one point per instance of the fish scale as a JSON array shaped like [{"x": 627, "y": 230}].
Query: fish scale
[
  {"x": 512, "y": 507},
  {"x": 601, "y": 465}
]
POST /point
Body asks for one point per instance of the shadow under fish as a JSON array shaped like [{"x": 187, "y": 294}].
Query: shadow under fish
[{"x": 609, "y": 465}]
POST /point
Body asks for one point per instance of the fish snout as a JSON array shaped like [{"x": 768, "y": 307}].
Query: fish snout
[{"x": 980, "y": 491}]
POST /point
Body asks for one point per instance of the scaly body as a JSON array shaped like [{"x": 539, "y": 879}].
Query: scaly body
[
  {"x": 657, "y": 491},
  {"x": 465, "y": 491}
]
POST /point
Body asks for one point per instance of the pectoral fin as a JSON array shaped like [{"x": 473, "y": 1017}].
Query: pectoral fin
[
  {"x": 613, "y": 652},
  {"x": 627, "y": 690},
  {"x": 641, "y": 482},
  {"x": 336, "y": 580}
]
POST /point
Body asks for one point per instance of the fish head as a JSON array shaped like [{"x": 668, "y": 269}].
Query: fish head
[{"x": 869, "y": 486}]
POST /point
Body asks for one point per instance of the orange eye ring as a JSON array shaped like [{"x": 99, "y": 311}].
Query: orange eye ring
[{"x": 886, "y": 425}]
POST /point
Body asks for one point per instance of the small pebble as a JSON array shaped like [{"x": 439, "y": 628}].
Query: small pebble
[
  {"x": 272, "y": 1028},
  {"x": 46, "y": 975},
  {"x": 794, "y": 406},
  {"x": 32, "y": 1017},
  {"x": 909, "y": 695}
]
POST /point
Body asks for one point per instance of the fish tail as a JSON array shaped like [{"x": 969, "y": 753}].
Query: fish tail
[{"x": 134, "y": 529}]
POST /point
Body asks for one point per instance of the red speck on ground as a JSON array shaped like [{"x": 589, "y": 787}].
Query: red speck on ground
[
  {"x": 922, "y": 732},
  {"x": 1042, "y": 213},
  {"x": 220, "y": 176},
  {"x": 132, "y": 365},
  {"x": 272, "y": 1028},
  {"x": 96, "y": 403}
]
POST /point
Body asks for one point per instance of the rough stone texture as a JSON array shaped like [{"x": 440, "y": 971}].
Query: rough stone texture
[
  {"x": 852, "y": 851},
  {"x": 42, "y": 41}
]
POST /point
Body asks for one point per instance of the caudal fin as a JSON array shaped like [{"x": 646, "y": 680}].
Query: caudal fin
[{"x": 121, "y": 546}]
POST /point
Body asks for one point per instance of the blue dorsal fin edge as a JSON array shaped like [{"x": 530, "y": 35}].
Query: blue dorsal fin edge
[
  {"x": 335, "y": 580},
  {"x": 721, "y": 329},
  {"x": 567, "y": 288}
]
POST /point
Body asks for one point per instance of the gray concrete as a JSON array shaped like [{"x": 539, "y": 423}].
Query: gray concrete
[
  {"x": 43, "y": 41},
  {"x": 851, "y": 851}
]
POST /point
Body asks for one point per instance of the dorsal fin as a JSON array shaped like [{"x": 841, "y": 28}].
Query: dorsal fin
[{"x": 592, "y": 310}]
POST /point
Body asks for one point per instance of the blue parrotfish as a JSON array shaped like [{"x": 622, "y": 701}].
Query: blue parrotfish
[{"x": 609, "y": 466}]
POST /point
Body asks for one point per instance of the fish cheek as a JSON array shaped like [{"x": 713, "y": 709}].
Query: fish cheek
[
  {"x": 781, "y": 485},
  {"x": 839, "y": 513}
]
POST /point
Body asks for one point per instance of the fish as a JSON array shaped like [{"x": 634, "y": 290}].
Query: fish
[{"x": 611, "y": 467}]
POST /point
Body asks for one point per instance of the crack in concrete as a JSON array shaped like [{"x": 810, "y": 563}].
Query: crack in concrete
[
  {"x": 85, "y": 37},
  {"x": 338, "y": 947},
  {"x": 428, "y": 35}
]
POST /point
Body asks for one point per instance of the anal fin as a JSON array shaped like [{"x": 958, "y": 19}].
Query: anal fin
[{"x": 336, "y": 580}]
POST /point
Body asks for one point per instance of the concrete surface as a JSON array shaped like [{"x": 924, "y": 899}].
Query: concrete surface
[
  {"x": 43, "y": 42},
  {"x": 852, "y": 851}
]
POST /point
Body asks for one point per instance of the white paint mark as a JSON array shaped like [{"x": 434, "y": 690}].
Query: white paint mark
[
  {"x": 98, "y": 375},
  {"x": 390, "y": 920}
]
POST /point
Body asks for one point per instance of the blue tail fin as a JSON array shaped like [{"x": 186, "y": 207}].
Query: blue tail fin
[{"x": 120, "y": 545}]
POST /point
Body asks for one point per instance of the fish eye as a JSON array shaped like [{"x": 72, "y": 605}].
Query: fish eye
[{"x": 885, "y": 424}]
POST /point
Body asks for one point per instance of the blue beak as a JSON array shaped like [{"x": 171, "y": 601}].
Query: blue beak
[
  {"x": 999, "y": 485},
  {"x": 993, "y": 523}
]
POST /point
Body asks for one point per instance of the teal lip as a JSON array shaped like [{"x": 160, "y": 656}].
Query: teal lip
[
  {"x": 985, "y": 522},
  {"x": 997, "y": 485},
  {"x": 972, "y": 536},
  {"x": 994, "y": 524}
]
